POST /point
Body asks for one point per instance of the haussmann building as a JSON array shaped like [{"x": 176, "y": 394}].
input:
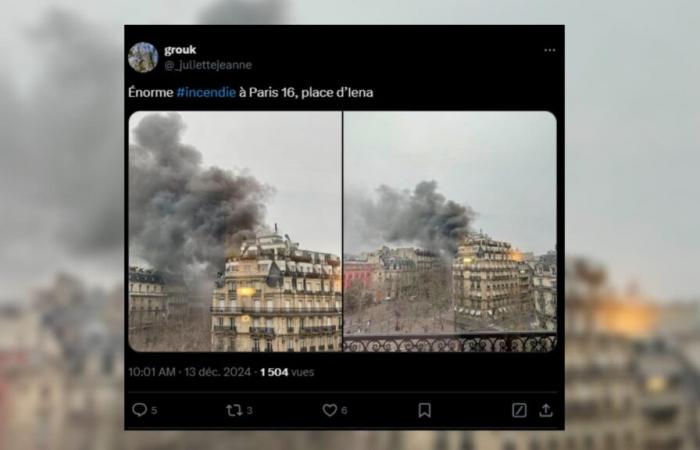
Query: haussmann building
[
  {"x": 275, "y": 297},
  {"x": 490, "y": 280}
]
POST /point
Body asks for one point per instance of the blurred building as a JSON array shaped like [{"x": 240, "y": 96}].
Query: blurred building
[
  {"x": 669, "y": 395},
  {"x": 61, "y": 369},
  {"x": 274, "y": 296},
  {"x": 489, "y": 280},
  {"x": 31, "y": 385}
]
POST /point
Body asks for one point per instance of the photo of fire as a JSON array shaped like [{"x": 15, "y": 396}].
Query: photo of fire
[
  {"x": 632, "y": 301},
  {"x": 209, "y": 270},
  {"x": 420, "y": 273}
]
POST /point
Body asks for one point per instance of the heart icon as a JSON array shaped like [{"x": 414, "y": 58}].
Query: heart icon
[{"x": 329, "y": 409}]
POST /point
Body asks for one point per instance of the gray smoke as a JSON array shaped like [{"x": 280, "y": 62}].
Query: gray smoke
[
  {"x": 245, "y": 12},
  {"x": 421, "y": 217},
  {"x": 182, "y": 215}
]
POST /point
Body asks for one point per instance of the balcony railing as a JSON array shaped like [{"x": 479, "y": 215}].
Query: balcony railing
[
  {"x": 301, "y": 292},
  {"x": 262, "y": 330},
  {"x": 481, "y": 342},
  {"x": 263, "y": 310},
  {"x": 225, "y": 329},
  {"x": 318, "y": 329}
]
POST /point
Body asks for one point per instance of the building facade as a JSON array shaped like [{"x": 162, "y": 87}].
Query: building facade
[
  {"x": 544, "y": 284},
  {"x": 147, "y": 299},
  {"x": 396, "y": 271},
  {"x": 155, "y": 299},
  {"x": 274, "y": 296},
  {"x": 359, "y": 272},
  {"x": 489, "y": 279}
]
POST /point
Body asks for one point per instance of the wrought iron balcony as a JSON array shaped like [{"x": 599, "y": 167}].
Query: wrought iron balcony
[
  {"x": 480, "y": 342},
  {"x": 263, "y": 310},
  {"x": 224, "y": 329},
  {"x": 262, "y": 330}
]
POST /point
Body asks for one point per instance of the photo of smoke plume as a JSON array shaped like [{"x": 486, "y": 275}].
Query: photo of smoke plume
[
  {"x": 214, "y": 199},
  {"x": 449, "y": 231}
]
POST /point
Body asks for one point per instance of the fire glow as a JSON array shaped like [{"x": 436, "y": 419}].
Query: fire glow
[
  {"x": 245, "y": 291},
  {"x": 628, "y": 319}
]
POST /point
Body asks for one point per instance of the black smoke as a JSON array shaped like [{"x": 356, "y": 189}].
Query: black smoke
[
  {"x": 183, "y": 215},
  {"x": 421, "y": 217}
]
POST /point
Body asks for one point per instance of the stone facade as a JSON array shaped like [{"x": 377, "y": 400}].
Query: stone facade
[
  {"x": 544, "y": 281},
  {"x": 273, "y": 296},
  {"x": 397, "y": 269},
  {"x": 155, "y": 299},
  {"x": 489, "y": 279}
]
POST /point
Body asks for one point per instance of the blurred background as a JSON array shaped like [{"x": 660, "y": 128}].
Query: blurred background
[{"x": 632, "y": 221}]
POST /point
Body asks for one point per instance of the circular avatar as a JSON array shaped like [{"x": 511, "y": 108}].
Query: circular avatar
[{"x": 143, "y": 57}]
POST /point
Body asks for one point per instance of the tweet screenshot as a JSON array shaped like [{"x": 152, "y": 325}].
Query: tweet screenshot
[{"x": 344, "y": 227}]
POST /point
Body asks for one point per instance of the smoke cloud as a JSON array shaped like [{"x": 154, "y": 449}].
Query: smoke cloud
[
  {"x": 421, "y": 217},
  {"x": 183, "y": 215},
  {"x": 246, "y": 12}
]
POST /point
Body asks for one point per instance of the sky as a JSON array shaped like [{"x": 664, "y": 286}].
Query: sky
[
  {"x": 296, "y": 153},
  {"x": 632, "y": 121},
  {"x": 501, "y": 164}
]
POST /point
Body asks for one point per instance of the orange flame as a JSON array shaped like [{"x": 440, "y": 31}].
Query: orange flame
[
  {"x": 516, "y": 255},
  {"x": 629, "y": 319}
]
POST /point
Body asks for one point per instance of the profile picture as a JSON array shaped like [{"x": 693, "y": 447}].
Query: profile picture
[{"x": 143, "y": 57}]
